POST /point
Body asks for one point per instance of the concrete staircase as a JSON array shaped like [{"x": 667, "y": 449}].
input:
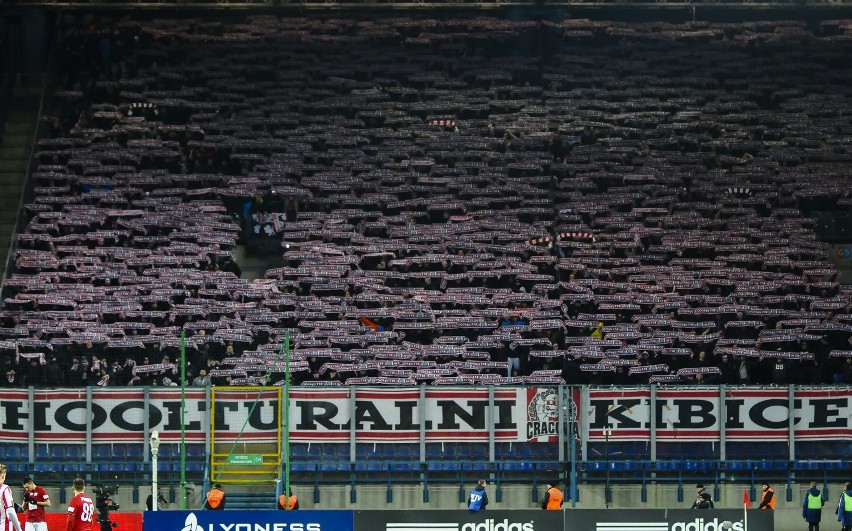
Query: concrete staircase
[
  {"x": 250, "y": 501},
  {"x": 15, "y": 148}
]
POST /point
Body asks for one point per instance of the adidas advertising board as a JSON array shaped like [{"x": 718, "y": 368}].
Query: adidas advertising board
[
  {"x": 460, "y": 520},
  {"x": 668, "y": 520},
  {"x": 248, "y": 521}
]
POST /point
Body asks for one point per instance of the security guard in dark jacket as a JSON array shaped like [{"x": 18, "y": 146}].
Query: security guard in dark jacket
[
  {"x": 703, "y": 500},
  {"x": 812, "y": 507}
]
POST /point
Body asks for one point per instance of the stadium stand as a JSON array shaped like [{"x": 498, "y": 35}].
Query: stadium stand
[
  {"x": 606, "y": 216},
  {"x": 617, "y": 207}
]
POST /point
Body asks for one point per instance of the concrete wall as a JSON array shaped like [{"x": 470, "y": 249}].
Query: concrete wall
[{"x": 788, "y": 515}]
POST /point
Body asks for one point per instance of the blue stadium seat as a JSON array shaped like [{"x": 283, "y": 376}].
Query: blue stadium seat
[
  {"x": 298, "y": 451},
  {"x": 475, "y": 466},
  {"x": 668, "y": 466},
  {"x": 452, "y": 466},
  {"x": 194, "y": 468},
  {"x": 329, "y": 452},
  {"x": 463, "y": 452},
  {"x": 738, "y": 466},
  {"x": 434, "y": 466},
  {"x": 479, "y": 452},
  {"x": 42, "y": 452},
  {"x": 301, "y": 466},
  {"x": 373, "y": 452},
  {"x": 195, "y": 451},
  {"x": 524, "y": 452},
  {"x": 101, "y": 453},
  {"x": 506, "y": 453},
  {"x": 118, "y": 451},
  {"x": 405, "y": 453},
  {"x": 550, "y": 451},
  {"x": 334, "y": 466},
  {"x": 434, "y": 452},
  {"x": 516, "y": 466},
  {"x": 633, "y": 467},
  {"x": 314, "y": 452},
  {"x": 77, "y": 469},
  {"x": 168, "y": 451},
  {"x": 838, "y": 465},
  {"x": 57, "y": 451},
  {"x": 14, "y": 453},
  {"x": 376, "y": 466},
  {"x": 136, "y": 452},
  {"x": 596, "y": 466},
  {"x": 73, "y": 451},
  {"x": 767, "y": 465},
  {"x": 708, "y": 466},
  {"x": 450, "y": 450}
]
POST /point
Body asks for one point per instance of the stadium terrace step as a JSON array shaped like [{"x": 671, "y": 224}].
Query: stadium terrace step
[
  {"x": 18, "y": 166},
  {"x": 248, "y": 501},
  {"x": 14, "y": 153},
  {"x": 19, "y": 127},
  {"x": 17, "y": 140}
]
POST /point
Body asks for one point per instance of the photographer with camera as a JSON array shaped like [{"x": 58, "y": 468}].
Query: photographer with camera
[
  {"x": 35, "y": 500},
  {"x": 161, "y": 501},
  {"x": 104, "y": 504}
]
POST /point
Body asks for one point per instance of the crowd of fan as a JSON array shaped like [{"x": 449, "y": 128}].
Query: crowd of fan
[{"x": 459, "y": 201}]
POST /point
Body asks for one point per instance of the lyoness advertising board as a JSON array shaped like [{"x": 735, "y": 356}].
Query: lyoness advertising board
[{"x": 248, "y": 521}]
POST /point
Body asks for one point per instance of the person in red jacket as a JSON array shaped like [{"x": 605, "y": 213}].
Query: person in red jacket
[{"x": 81, "y": 509}]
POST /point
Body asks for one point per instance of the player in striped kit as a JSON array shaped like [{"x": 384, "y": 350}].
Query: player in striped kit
[{"x": 8, "y": 518}]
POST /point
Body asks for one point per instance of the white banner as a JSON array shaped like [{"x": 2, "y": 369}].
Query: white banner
[
  {"x": 116, "y": 415},
  {"x": 316, "y": 414},
  {"x": 446, "y": 414},
  {"x": 695, "y": 414}
]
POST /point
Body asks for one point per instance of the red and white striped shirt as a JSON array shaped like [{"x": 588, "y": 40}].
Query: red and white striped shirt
[{"x": 7, "y": 501}]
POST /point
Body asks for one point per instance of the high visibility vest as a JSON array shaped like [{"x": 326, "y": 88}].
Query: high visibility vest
[
  {"x": 288, "y": 502},
  {"x": 475, "y": 500},
  {"x": 554, "y": 501},
  {"x": 772, "y": 501},
  {"x": 847, "y": 503},
  {"x": 814, "y": 502},
  {"x": 214, "y": 498}
]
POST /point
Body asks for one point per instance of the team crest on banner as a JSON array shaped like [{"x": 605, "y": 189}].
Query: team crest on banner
[{"x": 542, "y": 415}]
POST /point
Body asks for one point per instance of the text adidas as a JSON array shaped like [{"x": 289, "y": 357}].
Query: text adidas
[
  {"x": 699, "y": 524},
  {"x": 491, "y": 525},
  {"x": 277, "y": 526}
]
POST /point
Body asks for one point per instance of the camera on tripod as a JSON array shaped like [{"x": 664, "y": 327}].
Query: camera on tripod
[{"x": 104, "y": 504}]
